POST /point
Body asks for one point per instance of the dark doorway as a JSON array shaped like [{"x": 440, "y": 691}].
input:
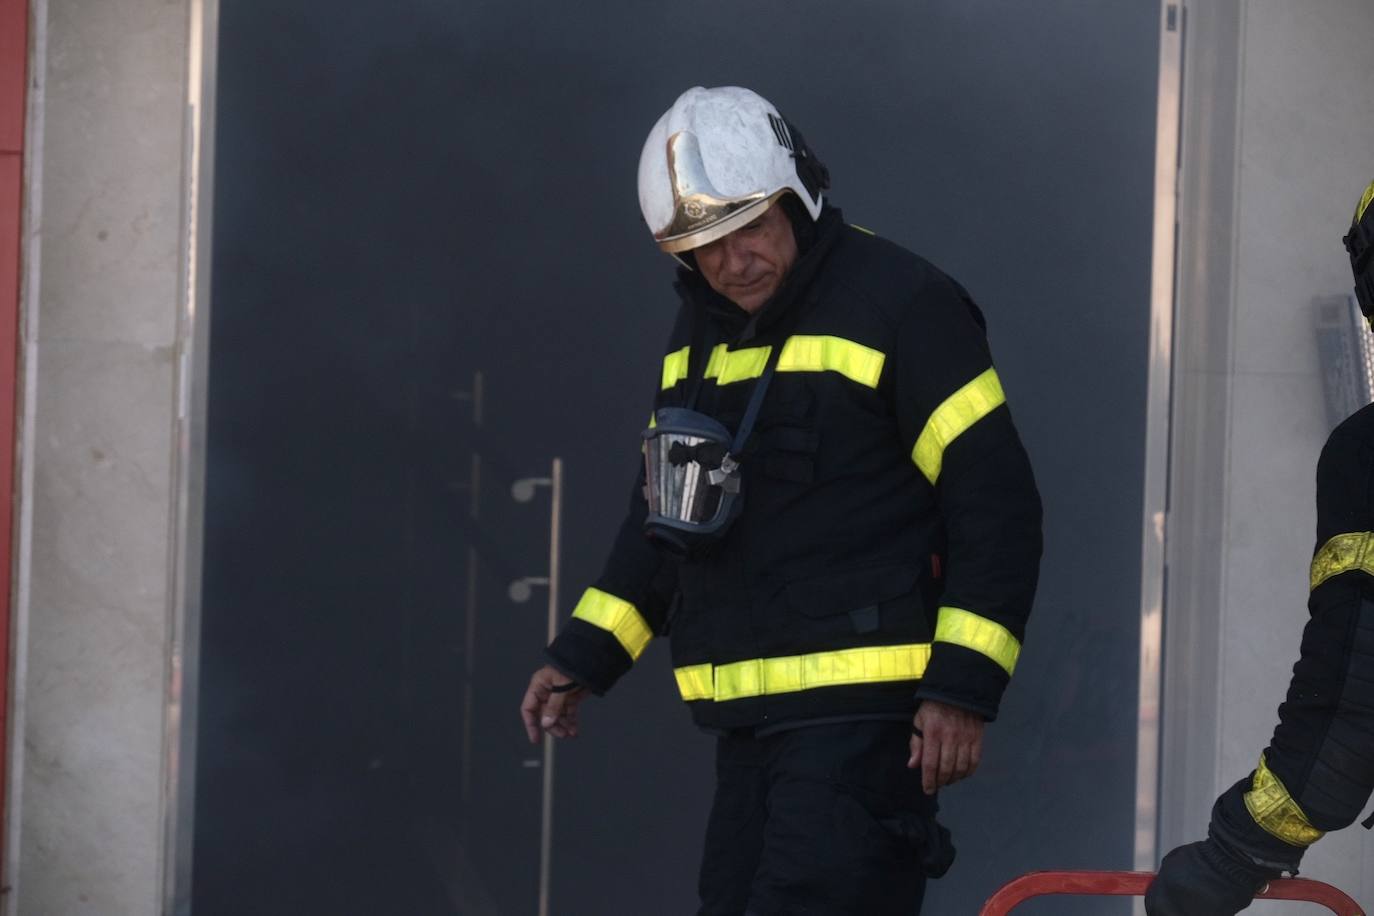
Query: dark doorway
[{"x": 431, "y": 278}]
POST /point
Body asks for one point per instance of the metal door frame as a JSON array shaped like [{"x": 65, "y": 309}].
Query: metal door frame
[
  {"x": 193, "y": 356},
  {"x": 1157, "y": 428}
]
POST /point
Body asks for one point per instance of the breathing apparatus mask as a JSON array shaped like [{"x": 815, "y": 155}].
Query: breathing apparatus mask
[{"x": 692, "y": 481}]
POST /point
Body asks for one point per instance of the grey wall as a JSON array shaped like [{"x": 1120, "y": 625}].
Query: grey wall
[
  {"x": 1278, "y": 144},
  {"x": 103, "y": 244},
  {"x": 405, "y": 198}
]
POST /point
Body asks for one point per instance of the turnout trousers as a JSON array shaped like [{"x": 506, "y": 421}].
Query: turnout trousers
[{"x": 820, "y": 820}]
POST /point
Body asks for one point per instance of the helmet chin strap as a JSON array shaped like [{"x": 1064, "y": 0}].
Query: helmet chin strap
[
  {"x": 1359, "y": 242},
  {"x": 803, "y": 227}
]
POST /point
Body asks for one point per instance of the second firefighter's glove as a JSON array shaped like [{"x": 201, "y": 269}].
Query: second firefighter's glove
[{"x": 1203, "y": 879}]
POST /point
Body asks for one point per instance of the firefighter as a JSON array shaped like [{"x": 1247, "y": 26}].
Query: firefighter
[
  {"x": 834, "y": 518},
  {"x": 1318, "y": 770}
]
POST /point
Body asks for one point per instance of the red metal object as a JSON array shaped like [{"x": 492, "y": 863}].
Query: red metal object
[
  {"x": 14, "y": 58},
  {"x": 1134, "y": 884},
  {"x": 14, "y": 55}
]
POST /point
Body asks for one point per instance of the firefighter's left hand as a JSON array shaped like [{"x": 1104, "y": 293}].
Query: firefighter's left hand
[{"x": 948, "y": 746}]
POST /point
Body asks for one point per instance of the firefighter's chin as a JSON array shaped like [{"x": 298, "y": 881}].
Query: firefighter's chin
[{"x": 752, "y": 295}]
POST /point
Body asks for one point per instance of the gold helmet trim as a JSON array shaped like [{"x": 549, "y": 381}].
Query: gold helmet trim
[{"x": 700, "y": 215}]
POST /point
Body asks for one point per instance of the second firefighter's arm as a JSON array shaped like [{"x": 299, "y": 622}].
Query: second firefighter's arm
[
  {"x": 1318, "y": 771},
  {"x": 953, "y": 417}
]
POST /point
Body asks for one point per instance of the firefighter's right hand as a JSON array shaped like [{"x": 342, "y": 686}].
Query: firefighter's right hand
[
  {"x": 1202, "y": 879},
  {"x": 550, "y": 704}
]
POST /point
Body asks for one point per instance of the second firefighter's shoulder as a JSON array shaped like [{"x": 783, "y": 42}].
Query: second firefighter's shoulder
[
  {"x": 1345, "y": 478},
  {"x": 1356, "y": 430},
  {"x": 1349, "y": 450}
]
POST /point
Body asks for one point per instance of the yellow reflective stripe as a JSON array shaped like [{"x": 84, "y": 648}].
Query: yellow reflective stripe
[
  {"x": 728, "y": 366},
  {"x": 675, "y": 367},
  {"x": 1364, "y": 202},
  {"x": 1344, "y": 553},
  {"x": 716, "y": 360},
  {"x": 862, "y": 229},
  {"x": 987, "y": 637},
  {"x": 789, "y": 674},
  {"x": 832, "y": 354},
  {"x": 951, "y": 419},
  {"x": 854, "y": 361},
  {"x": 617, "y": 616},
  {"x": 1275, "y": 811},
  {"x": 695, "y": 682}
]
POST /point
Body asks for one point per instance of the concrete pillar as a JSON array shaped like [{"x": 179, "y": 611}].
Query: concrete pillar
[
  {"x": 104, "y": 261},
  {"x": 1278, "y": 142}
]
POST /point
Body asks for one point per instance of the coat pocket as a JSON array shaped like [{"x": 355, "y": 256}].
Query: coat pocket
[
  {"x": 886, "y": 598},
  {"x": 790, "y": 453}
]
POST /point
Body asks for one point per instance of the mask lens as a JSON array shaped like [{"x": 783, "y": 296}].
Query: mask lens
[
  {"x": 676, "y": 467},
  {"x": 691, "y": 483}
]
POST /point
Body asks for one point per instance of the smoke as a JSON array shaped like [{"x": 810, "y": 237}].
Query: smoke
[{"x": 411, "y": 193}]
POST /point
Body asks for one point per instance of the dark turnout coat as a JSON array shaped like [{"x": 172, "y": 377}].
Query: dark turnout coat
[{"x": 889, "y": 543}]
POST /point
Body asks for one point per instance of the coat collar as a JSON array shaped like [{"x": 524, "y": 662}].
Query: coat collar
[{"x": 796, "y": 287}]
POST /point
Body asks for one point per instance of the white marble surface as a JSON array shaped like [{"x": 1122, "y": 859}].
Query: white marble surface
[
  {"x": 95, "y": 625},
  {"x": 1269, "y": 534},
  {"x": 114, "y": 97},
  {"x": 1305, "y": 158}
]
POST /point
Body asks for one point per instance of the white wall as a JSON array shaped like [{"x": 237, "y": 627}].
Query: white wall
[
  {"x": 103, "y": 267},
  {"x": 1278, "y": 144}
]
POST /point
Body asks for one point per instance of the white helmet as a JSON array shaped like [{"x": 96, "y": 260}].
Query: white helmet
[{"x": 718, "y": 159}]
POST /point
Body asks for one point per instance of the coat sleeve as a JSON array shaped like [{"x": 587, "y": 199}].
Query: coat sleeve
[
  {"x": 953, "y": 417},
  {"x": 629, "y": 604},
  {"x": 623, "y": 609}
]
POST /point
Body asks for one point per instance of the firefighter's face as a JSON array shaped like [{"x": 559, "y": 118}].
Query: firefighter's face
[{"x": 748, "y": 265}]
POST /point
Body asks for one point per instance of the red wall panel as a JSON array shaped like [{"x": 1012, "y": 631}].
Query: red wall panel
[{"x": 14, "y": 18}]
